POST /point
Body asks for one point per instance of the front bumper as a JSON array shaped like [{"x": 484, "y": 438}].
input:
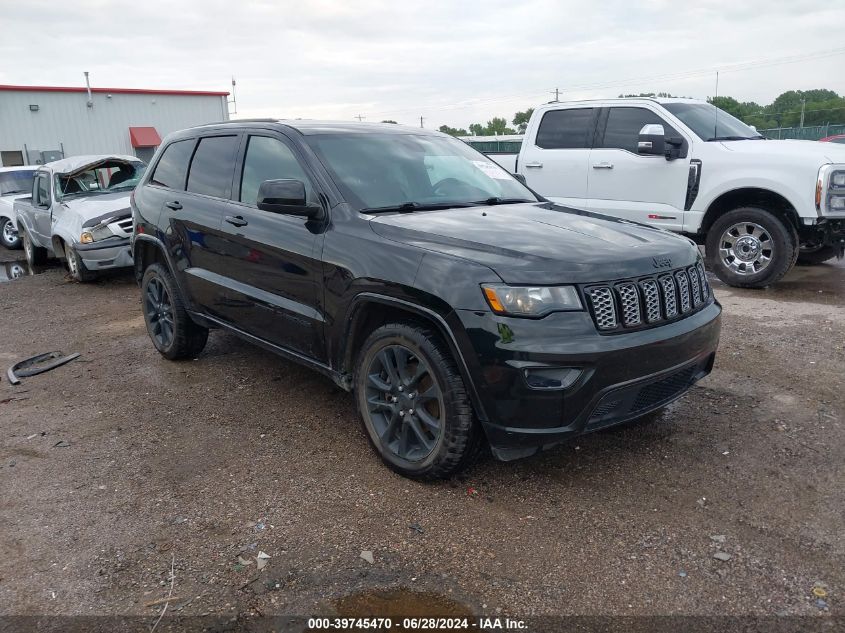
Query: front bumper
[
  {"x": 111, "y": 253},
  {"x": 622, "y": 376}
]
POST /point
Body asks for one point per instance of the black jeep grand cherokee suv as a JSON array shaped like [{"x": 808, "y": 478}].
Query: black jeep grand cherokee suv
[{"x": 455, "y": 303}]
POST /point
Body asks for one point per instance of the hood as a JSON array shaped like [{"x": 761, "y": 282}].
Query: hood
[
  {"x": 99, "y": 206},
  {"x": 541, "y": 243},
  {"x": 800, "y": 151}
]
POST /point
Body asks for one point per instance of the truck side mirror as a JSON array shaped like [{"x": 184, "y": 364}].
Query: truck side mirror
[{"x": 652, "y": 140}]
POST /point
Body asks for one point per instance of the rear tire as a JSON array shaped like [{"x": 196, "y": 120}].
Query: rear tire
[
  {"x": 35, "y": 256},
  {"x": 172, "y": 331},
  {"x": 76, "y": 267},
  {"x": 750, "y": 247},
  {"x": 413, "y": 404},
  {"x": 9, "y": 236},
  {"x": 812, "y": 256}
]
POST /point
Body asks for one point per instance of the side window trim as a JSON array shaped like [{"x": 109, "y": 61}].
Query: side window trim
[
  {"x": 229, "y": 191},
  {"x": 591, "y": 136}
]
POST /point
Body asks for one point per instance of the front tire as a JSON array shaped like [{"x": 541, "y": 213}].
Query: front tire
[
  {"x": 413, "y": 403},
  {"x": 9, "y": 236},
  {"x": 815, "y": 255},
  {"x": 76, "y": 267},
  {"x": 173, "y": 332},
  {"x": 750, "y": 247}
]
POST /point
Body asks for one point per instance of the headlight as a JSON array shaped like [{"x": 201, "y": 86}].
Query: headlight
[
  {"x": 837, "y": 180},
  {"x": 531, "y": 301},
  {"x": 99, "y": 232}
]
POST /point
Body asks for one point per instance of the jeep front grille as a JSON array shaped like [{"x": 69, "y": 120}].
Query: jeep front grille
[{"x": 642, "y": 302}]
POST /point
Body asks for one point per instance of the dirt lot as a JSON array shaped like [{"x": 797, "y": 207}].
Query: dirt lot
[{"x": 121, "y": 462}]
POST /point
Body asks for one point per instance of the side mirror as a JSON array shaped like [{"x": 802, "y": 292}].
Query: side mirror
[
  {"x": 652, "y": 140},
  {"x": 286, "y": 197}
]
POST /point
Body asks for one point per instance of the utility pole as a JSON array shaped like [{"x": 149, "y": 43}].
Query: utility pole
[
  {"x": 557, "y": 95},
  {"x": 360, "y": 118},
  {"x": 421, "y": 121},
  {"x": 803, "y": 104},
  {"x": 234, "y": 100}
]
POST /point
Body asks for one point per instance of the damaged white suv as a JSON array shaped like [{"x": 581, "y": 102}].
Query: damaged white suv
[{"x": 79, "y": 212}]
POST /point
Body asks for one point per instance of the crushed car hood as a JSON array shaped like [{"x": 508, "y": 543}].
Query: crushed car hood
[
  {"x": 76, "y": 164},
  {"x": 541, "y": 243},
  {"x": 97, "y": 207}
]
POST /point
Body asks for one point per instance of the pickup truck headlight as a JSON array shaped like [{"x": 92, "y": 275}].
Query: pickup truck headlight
[
  {"x": 837, "y": 180},
  {"x": 531, "y": 301},
  {"x": 99, "y": 232},
  {"x": 837, "y": 203}
]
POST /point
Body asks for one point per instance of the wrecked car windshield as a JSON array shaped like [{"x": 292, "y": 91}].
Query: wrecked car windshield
[
  {"x": 105, "y": 177},
  {"x": 18, "y": 181},
  {"x": 386, "y": 171}
]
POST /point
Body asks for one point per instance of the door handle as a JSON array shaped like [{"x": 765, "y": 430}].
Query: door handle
[
  {"x": 534, "y": 165},
  {"x": 602, "y": 165},
  {"x": 236, "y": 220},
  {"x": 173, "y": 204}
]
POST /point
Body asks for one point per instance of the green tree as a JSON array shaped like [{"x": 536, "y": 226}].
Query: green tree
[
  {"x": 454, "y": 131},
  {"x": 498, "y": 126},
  {"x": 476, "y": 129},
  {"x": 520, "y": 120}
]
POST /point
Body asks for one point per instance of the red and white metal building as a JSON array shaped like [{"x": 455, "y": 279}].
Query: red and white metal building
[{"x": 43, "y": 123}]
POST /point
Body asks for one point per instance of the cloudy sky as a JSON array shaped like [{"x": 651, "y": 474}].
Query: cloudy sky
[{"x": 453, "y": 62}]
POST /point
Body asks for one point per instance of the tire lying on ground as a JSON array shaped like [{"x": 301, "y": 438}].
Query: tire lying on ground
[{"x": 750, "y": 247}]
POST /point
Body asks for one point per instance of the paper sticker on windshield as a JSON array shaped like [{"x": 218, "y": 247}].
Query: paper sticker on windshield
[{"x": 491, "y": 171}]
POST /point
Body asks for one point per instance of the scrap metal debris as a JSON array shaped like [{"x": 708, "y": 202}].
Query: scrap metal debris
[{"x": 37, "y": 365}]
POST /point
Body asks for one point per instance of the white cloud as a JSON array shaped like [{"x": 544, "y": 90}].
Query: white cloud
[{"x": 450, "y": 62}]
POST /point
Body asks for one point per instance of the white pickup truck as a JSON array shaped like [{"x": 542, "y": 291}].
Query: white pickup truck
[
  {"x": 79, "y": 212},
  {"x": 757, "y": 205}
]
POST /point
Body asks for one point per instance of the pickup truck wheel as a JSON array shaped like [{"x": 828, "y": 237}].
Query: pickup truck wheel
[
  {"x": 751, "y": 248},
  {"x": 76, "y": 267},
  {"x": 413, "y": 403},
  {"x": 812, "y": 255},
  {"x": 173, "y": 332},
  {"x": 35, "y": 256},
  {"x": 9, "y": 234}
]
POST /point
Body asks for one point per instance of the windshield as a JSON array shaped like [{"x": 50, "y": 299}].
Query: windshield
[
  {"x": 377, "y": 171},
  {"x": 710, "y": 123},
  {"x": 18, "y": 181},
  {"x": 106, "y": 177}
]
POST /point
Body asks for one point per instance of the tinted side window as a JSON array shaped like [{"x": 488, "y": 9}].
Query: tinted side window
[
  {"x": 173, "y": 165},
  {"x": 213, "y": 166},
  {"x": 624, "y": 125},
  {"x": 566, "y": 129},
  {"x": 269, "y": 159}
]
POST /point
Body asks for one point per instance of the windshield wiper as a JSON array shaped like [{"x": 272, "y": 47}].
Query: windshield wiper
[
  {"x": 410, "y": 207},
  {"x": 497, "y": 200}
]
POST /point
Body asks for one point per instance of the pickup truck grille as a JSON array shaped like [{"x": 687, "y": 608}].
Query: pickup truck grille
[{"x": 632, "y": 304}]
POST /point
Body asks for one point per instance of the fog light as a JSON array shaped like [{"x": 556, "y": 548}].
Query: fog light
[{"x": 551, "y": 377}]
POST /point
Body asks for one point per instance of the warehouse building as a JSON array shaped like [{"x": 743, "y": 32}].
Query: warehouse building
[{"x": 39, "y": 124}]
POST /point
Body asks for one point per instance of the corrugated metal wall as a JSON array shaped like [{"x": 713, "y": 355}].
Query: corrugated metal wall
[{"x": 64, "y": 120}]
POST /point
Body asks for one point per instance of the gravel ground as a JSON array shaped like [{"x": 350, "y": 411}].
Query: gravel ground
[{"x": 121, "y": 463}]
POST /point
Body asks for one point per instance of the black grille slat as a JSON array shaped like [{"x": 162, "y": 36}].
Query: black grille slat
[{"x": 622, "y": 305}]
